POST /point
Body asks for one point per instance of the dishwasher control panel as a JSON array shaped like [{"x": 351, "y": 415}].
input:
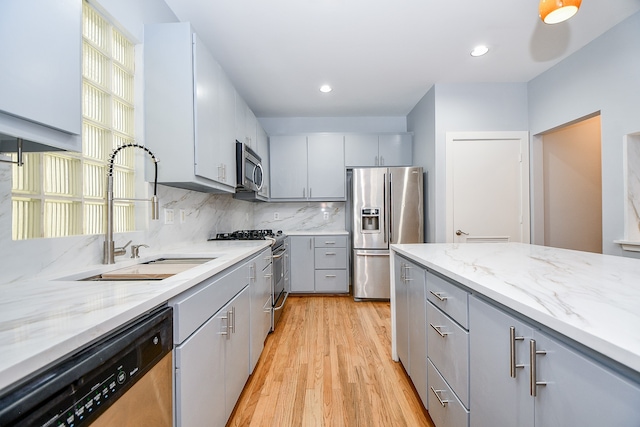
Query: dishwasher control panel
[{"x": 76, "y": 391}]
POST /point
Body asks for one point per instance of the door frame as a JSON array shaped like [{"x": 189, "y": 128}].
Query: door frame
[{"x": 523, "y": 138}]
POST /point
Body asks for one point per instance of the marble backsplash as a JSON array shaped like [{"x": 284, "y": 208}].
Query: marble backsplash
[
  {"x": 306, "y": 216},
  {"x": 204, "y": 214}
]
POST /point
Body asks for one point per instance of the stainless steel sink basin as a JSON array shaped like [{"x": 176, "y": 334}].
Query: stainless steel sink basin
[
  {"x": 157, "y": 269},
  {"x": 179, "y": 260}
]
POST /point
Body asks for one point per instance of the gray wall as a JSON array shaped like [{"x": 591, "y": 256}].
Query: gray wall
[
  {"x": 460, "y": 108},
  {"x": 603, "y": 76}
]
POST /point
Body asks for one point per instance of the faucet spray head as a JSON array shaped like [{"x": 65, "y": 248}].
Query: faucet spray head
[{"x": 155, "y": 208}]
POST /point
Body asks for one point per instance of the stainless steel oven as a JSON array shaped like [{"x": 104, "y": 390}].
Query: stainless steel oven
[
  {"x": 279, "y": 293},
  {"x": 248, "y": 169},
  {"x": 280, "y": 259}
]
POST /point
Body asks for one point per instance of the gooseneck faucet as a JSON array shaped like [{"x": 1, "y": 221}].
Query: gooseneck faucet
[{"x": 110, "y": 251}]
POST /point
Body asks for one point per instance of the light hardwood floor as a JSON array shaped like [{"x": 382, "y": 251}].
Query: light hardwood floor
[{"x": 329, "y": 364}]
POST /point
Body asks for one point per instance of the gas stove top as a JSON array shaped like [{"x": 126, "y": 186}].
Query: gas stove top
[{"x": 248, "y": 235}]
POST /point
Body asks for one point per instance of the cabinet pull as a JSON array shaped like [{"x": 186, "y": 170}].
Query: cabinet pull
[
  {"x": 329, "y": 275},
  {"x": 439, "y": 296},
  {"x": 329, "y": 242},
  {"x": 437, "y": 394},
  {"x": 402, "y": 274},
  {"x": 329, "y": 253},
  {"x": 226, "y": 328},
  {"x": 304, "y": 193},
  {"x": 233, "y": 320},
  {"x": 533, "y": 383},
  {"x": 376, "y": 162},
  {"x": 406, "y": 273},
  {"x": 381, "y": 161},
  {"x": 439, "y": 331},
  {"x": 512, "y": 351}
]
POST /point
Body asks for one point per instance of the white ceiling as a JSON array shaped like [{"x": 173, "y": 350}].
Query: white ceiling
[{"x": 381, "y": 56}]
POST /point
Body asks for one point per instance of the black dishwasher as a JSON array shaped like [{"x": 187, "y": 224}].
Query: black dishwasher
[{"x": 78, "y": 389}]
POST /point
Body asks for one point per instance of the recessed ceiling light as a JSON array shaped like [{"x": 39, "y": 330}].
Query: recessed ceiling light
[
  {"x": 479, "y": 50},
  {"x": 325, "y": 89}
]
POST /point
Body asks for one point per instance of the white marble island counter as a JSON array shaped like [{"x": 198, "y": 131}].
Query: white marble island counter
[
  {"x": 593, "y": 299},
  {"x": 44, "y": 319}
]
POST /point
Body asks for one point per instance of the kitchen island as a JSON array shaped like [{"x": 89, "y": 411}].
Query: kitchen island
[
  {"x": 557, "y": 325},
  {"x": 45, "y": 319}
]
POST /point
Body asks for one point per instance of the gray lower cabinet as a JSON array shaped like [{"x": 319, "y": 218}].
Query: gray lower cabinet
[
  {"x": 411, "y": 321},
  {"x": 212, "y": 328},
  {"x": 578, "y": 390},
  {"x": 319, "y": 264}
]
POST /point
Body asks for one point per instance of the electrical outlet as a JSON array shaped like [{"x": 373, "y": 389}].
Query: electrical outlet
[
  {"x": 168, "y": 216},
  {"x": 276, "y": 215},
  {"x": 183, "y": 216},
  {"x": 326, "y": 216}
]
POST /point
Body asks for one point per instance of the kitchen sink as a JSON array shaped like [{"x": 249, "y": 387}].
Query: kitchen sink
[{"x": 157, "y": 269}]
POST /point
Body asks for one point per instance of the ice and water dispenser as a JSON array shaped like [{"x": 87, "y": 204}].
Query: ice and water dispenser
[{"x": 370, "y": 220}]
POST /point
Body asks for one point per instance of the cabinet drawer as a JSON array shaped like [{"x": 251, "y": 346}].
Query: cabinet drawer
[
  {"x": 263, "y": 260},
  {"x": 444, "y": 407},
  {"x": 448, "y": 349},
  {"x": 448, "y": 298},
  {"x": 331, "y": 241},
  {"x": 331, "y": 258},
  {"x": 192, "y": 308},
  {"x": 331, "y": 281}
]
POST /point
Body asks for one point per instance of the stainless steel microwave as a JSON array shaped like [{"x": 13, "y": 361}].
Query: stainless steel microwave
[{"x": 248, "y": 169}]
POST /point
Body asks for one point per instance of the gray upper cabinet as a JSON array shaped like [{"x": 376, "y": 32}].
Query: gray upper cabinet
[
  {"x": 263, "y": 152},
  {"x": 246, "y": 123},
  {"x": 187, "y": 103},
  {"x": 40, "y": 88},
  {"x": 362, "y": 150},
  {"x": 307, "y": 167}
]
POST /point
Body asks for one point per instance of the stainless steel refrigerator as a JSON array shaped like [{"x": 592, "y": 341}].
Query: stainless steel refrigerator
[{"x": 387, "y": 207}]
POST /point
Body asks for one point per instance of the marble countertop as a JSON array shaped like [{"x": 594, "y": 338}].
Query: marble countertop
[
  {"x": 593, "y": 299},
  {"x": 317, "y": 233},
  {"x": 44, "y": 319}
]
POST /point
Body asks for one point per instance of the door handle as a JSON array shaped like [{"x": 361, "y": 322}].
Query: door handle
[{"x": 460, "y": 232}]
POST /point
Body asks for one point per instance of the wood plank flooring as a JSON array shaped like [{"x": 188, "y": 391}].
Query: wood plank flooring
[{"x": 329, "y": 364}]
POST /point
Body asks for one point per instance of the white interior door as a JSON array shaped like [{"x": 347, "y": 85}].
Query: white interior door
[{"x": 488, "y": 187}]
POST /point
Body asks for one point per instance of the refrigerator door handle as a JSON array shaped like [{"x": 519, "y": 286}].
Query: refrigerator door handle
[
  {"x": 390, "y": 208},
  {"x": 384, "y": 197}
]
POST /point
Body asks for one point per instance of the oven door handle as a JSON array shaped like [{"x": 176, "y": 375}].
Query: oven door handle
[
  {"x": 278, "y": 256},
  {"x": 286, "y": 295}
]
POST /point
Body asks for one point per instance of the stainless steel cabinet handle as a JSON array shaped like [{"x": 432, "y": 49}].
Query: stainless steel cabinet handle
[
  {"x": 328, "y": 242},
  {"x": 381, "y": 161},
  {"x": 406, "y": 274},
  {"x": 439, "y": 331},
  {"x": 376, "y": 161},
  {"x": 310, "y": 196},
  {"x": 304, "y": 193},
  {"x": 268, "y": 275},
  {"x": 329, "y": 275},
  {"x": 512, "y": 352},
  {"x": 226, "y": 328},
  {"x": 533, "y": 383},
  {"x": 439, "y": 296},
  {"x": 329, "y": 253},
  {"x": 233, "y": 320},
  {"x": 437, "y": 394},
  {"x": 402, "y": 278}
]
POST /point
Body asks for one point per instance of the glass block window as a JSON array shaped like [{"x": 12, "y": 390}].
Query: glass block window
[{"x": 63, "y": 194}]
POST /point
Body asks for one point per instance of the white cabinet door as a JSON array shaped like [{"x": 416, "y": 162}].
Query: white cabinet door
[
  {"x": 237, "y": 349},
  {"x": 326, "y": 173},
  {"x": 508, "y": 403},
  {"x": 200, "y": 375},
  {"x": 360, "y": 150},
  {"x": 302, "y": 264},
  {"x": 40, "y": 53},
  {"x": 402, "y": 311},
  {"x": 226, "y": 127},
  {"x": 241, "y": 108},
  {"x": 185, "y": 110},
  {"x": 417, "y": 323},
  {"x": 579, "y": 392},
  {"x": 288, "y": 166},
  {"x": 205, "y": 77},
  {"x": 395, "y": 150}
]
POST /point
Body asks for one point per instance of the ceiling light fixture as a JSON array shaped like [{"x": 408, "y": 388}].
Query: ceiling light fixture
[
  {"x": 325, "y": 89},
  {"x": 479, "y": 50},
  {"x": 556, "y": 11}
]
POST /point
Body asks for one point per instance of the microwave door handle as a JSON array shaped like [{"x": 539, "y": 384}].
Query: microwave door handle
[{"x": 255, "y": 169}]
